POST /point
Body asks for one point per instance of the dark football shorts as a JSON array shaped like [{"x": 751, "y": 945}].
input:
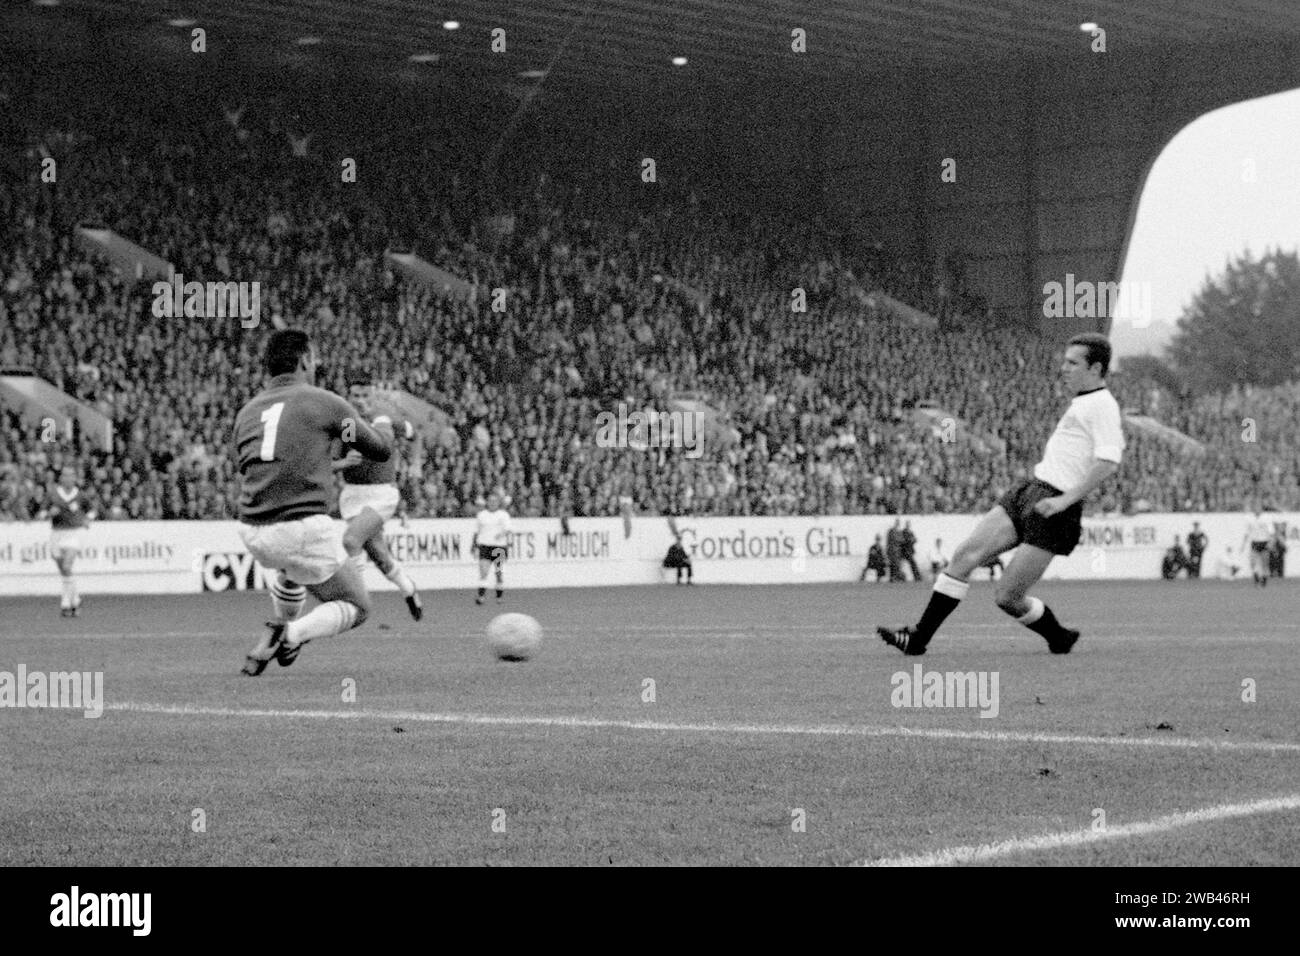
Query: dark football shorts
[
  {"x": 1058, "y": 534},
  {"x": 491, "y": 552}
]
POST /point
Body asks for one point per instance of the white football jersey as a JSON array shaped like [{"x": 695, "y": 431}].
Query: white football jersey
[
  {"x": 1259, "y": 530},
  {"x": 493, "y": 528},
  {"x": 1090, "y": 430}
]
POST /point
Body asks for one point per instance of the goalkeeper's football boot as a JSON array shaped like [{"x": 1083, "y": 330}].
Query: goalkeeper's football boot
[
  {"x": 287, "y": 653},
  {"x": 266, "y": 649},
  {"x": 905, "y": 639}
]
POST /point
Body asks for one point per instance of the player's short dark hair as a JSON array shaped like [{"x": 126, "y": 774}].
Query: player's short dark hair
[
  {"x": 1098, "y": 347},
  {"x": 357, "y": 379},
  {"x": 283, "y": 350}
]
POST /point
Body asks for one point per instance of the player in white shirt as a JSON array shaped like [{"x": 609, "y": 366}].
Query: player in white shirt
[
  {"x": 1259, "y": 534},
  {"x": 1226, "y": 566},
  {"x": 938, "y": 560},
  {"x": 492, "y": 538},
  {"x": 1040, "y": 518}
]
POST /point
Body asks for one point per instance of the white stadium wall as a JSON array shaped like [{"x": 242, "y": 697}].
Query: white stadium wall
[{"x": 176, "y": 557}]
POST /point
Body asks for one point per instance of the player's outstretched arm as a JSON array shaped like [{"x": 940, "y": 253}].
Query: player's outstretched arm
[
  {"x": 1099, "y": 473},
  {"x": 358, "y": 435},
  {"x": 347, "y": 461}
]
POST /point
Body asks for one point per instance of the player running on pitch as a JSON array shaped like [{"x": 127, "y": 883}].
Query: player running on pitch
[
  {"x": 1042, "y": 516},
  {"x": 1259, "y": 535},
  {"x": 283, "y": 442},
  {"x": 67, "y": 521},
  {"x": 492, "y": 538},
  {"x": 370, "y": 497}
]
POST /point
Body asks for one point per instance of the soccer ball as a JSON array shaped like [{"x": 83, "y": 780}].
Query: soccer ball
[{"x": 514, "y": 637}]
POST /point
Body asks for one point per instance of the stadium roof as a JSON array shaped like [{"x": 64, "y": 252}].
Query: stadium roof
[
  {"x": 629, "y": 43},
  {"x": 1055, "y": 140}
]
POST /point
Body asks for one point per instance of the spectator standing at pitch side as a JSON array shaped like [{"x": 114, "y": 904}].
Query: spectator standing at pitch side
[
  {"x": 1277, "y": 555},
  {"x": 907, "y": 548},
  {"x": 1196, "y": 544},
  {"x": 677, "y": 559},
  {"x": 875, "y": 562},
  {"x": 1175, "y": 560},
  {"x": 893, "y": 552}
]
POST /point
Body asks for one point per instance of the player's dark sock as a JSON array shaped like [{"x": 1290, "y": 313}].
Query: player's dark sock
[
  {"x": 500, "y": 592},
  {"x": 482, "y": 591},
  {"x": 1040, "y": 619},
  {"x": 947, "y": 594}
]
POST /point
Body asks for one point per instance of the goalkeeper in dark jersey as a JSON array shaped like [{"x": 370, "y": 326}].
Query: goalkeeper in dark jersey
[
  {"x": 370, "y": 497},
  {"x": 284, "y": 439}
]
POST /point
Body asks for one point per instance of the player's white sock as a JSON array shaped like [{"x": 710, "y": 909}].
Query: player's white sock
[
  {"x": 951, "y": 587},
  {"x": 401, "y": 579},
  {"x": 324, "y": 620},
  {"x": 69, "y": 593},
  {"x": 1036, "y": 608},
  {"x": 287, "y": 597}
]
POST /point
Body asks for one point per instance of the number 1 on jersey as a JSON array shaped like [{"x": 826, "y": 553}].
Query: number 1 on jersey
[{"x": 271, "y": 419}]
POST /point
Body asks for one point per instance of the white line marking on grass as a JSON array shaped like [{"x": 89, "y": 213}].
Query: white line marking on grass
[
  {"x": 953, "y": 634},
  {"x": 1071, "y": 838},
  {"x": 75, "y": 636},
  {"x": 747, "y": 631},
  {"x": 598, "y": 723}
]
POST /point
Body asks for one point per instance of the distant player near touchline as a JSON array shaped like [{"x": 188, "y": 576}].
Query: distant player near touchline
[
  {"x": 370, "y": 497},
  {"x": 283, "y": 442},
  {"x": 492, "y": 538},
  {"x": 1042, "y": 517},
  {"x": 1259, "y": 534},
  {"x": 67, "y": 521}
]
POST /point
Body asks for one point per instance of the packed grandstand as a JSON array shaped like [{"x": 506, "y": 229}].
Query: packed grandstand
[{"x": 616, "y": 293}]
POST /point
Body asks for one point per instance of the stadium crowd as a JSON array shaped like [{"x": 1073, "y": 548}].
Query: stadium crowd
[{"x": 844, "y": 408}]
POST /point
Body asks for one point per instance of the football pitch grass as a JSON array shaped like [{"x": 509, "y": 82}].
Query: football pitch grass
[{"x": 669, "y": 725}]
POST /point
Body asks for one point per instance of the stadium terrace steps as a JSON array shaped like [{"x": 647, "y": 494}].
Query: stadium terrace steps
[
  {"x": 129, "y": 259},
  {"x": 430, "y": 422},
  {"x": 1170, "y": 436},
  {"x": 946, "y": 426},
  {"x": 898, "y": 310},
  {"x": 38, "y": 402},
  {"x": 427, "y": 274}
]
